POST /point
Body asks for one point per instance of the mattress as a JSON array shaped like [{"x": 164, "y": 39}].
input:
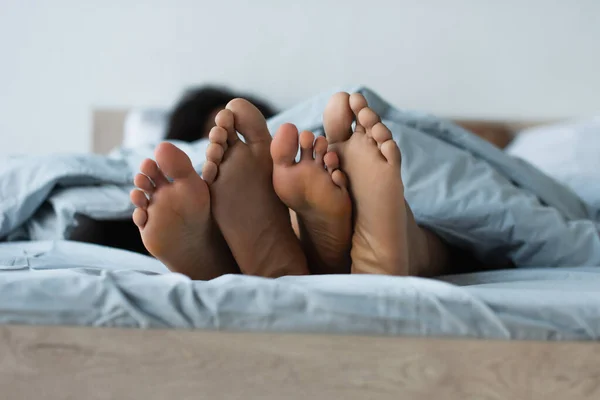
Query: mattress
[{"x": 70, "y": 283}]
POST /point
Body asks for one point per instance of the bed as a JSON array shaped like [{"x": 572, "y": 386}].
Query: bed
[
  {"x": 551, "y": 354},
  {"x": 71, "y": 353}
]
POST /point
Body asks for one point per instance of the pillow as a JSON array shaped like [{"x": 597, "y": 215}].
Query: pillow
[
  {"x": 145, "y": 126},
  {"x": 569, "y": 152}
]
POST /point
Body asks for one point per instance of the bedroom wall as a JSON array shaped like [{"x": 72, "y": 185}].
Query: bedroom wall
[{"x": 59, "y": 59}]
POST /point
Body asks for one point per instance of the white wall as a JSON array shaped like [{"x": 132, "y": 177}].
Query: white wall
[{"x": 61, "y": 58}]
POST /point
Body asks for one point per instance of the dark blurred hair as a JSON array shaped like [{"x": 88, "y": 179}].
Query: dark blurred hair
[{"x": 189, "y": 118}]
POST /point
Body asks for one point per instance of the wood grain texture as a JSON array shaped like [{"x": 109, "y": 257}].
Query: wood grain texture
[{"x": 100, "y": 363}]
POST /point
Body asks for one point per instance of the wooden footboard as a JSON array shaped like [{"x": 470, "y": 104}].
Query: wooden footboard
[{"x": 100, "y": 363}]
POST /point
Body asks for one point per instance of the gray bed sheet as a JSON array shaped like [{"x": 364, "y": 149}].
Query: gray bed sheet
[{"x": 69, "y": 283}]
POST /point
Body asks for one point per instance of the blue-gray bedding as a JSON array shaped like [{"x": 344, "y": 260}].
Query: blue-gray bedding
[
  {"x": 467, "y": 191},
  {"x": 71, "y": 283}
]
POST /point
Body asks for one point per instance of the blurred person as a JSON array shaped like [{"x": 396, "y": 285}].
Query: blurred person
[{"x": 194, "y": 115}]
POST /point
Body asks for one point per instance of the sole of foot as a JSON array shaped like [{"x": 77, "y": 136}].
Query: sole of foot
[
  {"x": 318, "y": 195},
  {"x": 253, "y": 220},
  {"x": 174, "y": 218},
  {"x": 371, "y": 160}
]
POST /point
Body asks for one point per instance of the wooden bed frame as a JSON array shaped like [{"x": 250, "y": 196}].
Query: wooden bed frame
[
  {"x": 109, "y": 363},
  {"x": 108, "y": 123},
  {"x": 58, "y": 362}
]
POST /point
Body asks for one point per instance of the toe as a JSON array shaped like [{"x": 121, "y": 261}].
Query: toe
[
  {"x": 140, "y": 217},
  {"x": 214, "y": 153},
  {"x": 249, "y": 121},
  {"x": 218, "y": 135},
  {"x": 284, "y": 146},
  {"x": 144, "y": 183},
  {"x": 357, "y": 102},
  {"x": 332, "y": 161},
  {"x": 209, "y": 172},
  {"x": 151, "y": 170},
  {"x": 337, "y": 118},
  {"x": 226, "y": 121},
  {"x": 391, "y": 152},
  {"x": 138, "y": 199},
  {"x": 381, "y": 133},
  {"x": 307, "y": 139},
  {"x": 367, "y": 118},
  {"x": 173, "y": 162},
  {"x": 320, "y": 149},
  {"x": 339, "y": 178}
]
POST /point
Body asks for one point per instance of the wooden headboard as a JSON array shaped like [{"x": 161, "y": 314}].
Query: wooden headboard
[
  {"x": 108, "y": 126},
  {"x": 107, "y": 129}
]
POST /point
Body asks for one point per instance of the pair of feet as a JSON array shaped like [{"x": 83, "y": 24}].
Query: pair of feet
[{"x": 349, "y": 217}]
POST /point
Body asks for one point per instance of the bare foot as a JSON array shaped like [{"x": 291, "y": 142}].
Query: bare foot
[
  {"x": 386, "y": 238},
  {"x": 253, "y": 220},
  {"x": 318, "y": 196},
  {"x": 176, "y": 223}
]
